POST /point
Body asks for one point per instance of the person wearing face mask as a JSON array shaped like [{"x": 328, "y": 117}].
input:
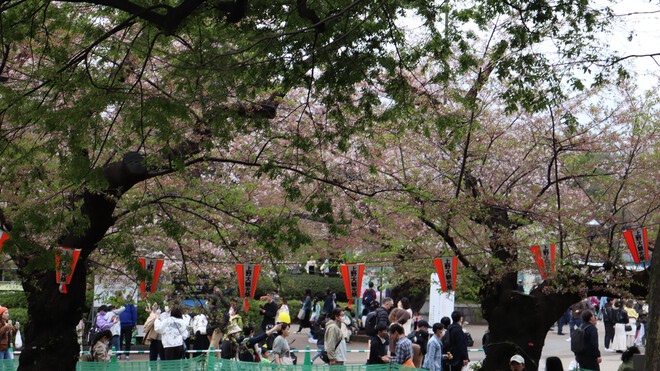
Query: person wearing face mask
[
  {"x": 434, "y": 356},
  {"x": 100, "y": 347}
]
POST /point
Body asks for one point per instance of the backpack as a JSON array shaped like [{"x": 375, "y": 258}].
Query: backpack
[
  {"x": 578, "y": 341},
  {"x": 370, "y": 323},
  {"x": 91, "y": 334},
  {"x": 621, "y": 316},
  {"x": 368, "y": 297}
]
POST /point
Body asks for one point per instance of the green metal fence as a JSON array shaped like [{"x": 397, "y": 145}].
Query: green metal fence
[{"x": 208, "y": 363}]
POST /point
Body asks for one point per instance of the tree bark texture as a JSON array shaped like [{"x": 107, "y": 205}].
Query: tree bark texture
[
  {"x": 518, "y": 323},
  {"x": 652, "y": 325}
]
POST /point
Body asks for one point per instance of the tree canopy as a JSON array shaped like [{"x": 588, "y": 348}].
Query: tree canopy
[{"x": 217, "y": 130}]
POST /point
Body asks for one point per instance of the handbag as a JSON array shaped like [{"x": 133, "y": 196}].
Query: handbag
[
  {"x": 627, "y": 328},
  {"x": 18, "y": 340},
  {"x": 324, "y": 354},
  {"x": 301, "y": 314},
  {"x": 286, "y": 360}
]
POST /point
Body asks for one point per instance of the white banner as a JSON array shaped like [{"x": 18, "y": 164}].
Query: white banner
[{"x": 441, "y": 304}]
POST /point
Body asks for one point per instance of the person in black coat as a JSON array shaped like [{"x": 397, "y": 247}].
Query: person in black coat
[
  {"x": 269, "y": 311},
  {"x": 457, "y": 343},
  {"x": 589, "y": 358},
  {"x": 380, "y": 345}
]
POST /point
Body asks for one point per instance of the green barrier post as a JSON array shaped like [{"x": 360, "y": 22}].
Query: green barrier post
[
  {"x": 210, "y": 363},
  {"x": 307, "y": 365}
]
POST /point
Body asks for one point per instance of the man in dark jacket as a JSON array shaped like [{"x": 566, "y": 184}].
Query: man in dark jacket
[
  {"x": 609, "y": 321},
  {"x": 382, "y": 312},
  {"x": 379, "y": 346},
  {"x": 589, "y": 358},
  {"x": 457, "y": 343},
  {"x": 269, "y": 311}
]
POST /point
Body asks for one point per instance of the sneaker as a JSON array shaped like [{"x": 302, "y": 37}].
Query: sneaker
[
  {"x": 569, "y": 339},
  {"x": 127, "y": 358}
]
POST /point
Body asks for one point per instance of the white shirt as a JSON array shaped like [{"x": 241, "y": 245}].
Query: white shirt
[
  {"x": 173, "y": 330},
  {"x": 116, "y": 326},
  {"x": 199, "y": 323}
]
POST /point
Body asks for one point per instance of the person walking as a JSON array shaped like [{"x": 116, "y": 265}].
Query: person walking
[
  {"x": 433, "y": 358},
  {"x": 281, "y": 352},
  {"x": 457, "y": 343},
  {"x": 607, "y": 314},
  {"x": 128, "y": 319},
  {"x": 621, "y": 319},
  {"x": 335, "y": 346},
  {"x": 329, "y": 302},
  {"x": 589, "y": 358},
  {"x": 318, "y": 333},
  {"x": 307, "y": 310}
]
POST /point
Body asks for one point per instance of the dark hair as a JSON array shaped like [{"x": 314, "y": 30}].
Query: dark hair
[
  {"x": 396, "y": 328},
  {"x": 553, "y": 364},
  {"x": 284, "y": 326},
  {"x": 438, "y": 326},
  {"x": 405, "y": 303},
  {"x": 176, "y": 312},
  {"x": 380, "y": 327},
  {"x": 586, "y": 316},
  {"x": 336, "y": 313},
  {"x": 446, "y": 321},
  {"x": 97, "y": 338},
  {"x": 248, "y": 330},
  {"x": 456, "y": 316},
  {"x": 629, "y": 353},
  {"x": 103, "y": 308},
  {"x": 371, "y": 284}
]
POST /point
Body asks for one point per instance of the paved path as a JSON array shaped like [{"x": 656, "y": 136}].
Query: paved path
[{"x": 555, "y": 345}]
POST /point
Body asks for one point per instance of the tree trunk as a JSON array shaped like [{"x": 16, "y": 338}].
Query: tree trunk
[
  {"x": 653, "y": 327},
  {"x": 518, "y": 323},
  {"x": 50, "y": 338}
]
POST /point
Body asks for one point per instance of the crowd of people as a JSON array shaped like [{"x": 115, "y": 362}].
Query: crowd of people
[{"x": 397, "y": 335}]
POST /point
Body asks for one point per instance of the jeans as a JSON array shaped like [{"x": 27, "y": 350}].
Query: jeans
[
  {"x": 115, "y": 343},
  {"x": 320, "y": 348},
  {"x": 575, "y": 322},
  {"x": 4, "y": 354}
]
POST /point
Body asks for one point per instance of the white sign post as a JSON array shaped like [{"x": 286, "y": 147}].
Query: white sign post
[{"x": 441, "y": 304}]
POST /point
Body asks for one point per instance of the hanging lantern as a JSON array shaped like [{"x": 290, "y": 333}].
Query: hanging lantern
[
  {"x": 352, "y": 274},
  {"x": 545, "y": 259},
  {"x": 65, "y": 264},
  {"x": 153, "y": 267},
  {"x": 4, "y": 236},
  {"x": 638, "y": 243},
  {"x": 446, "y": 268},
  {"x": 248, "y": 274}
]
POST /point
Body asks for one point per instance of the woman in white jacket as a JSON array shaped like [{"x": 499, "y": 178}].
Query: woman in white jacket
[{"x": 174, "y": 332}]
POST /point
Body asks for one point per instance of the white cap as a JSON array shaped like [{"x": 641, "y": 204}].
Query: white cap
[{"x": 517, "y": 358}]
